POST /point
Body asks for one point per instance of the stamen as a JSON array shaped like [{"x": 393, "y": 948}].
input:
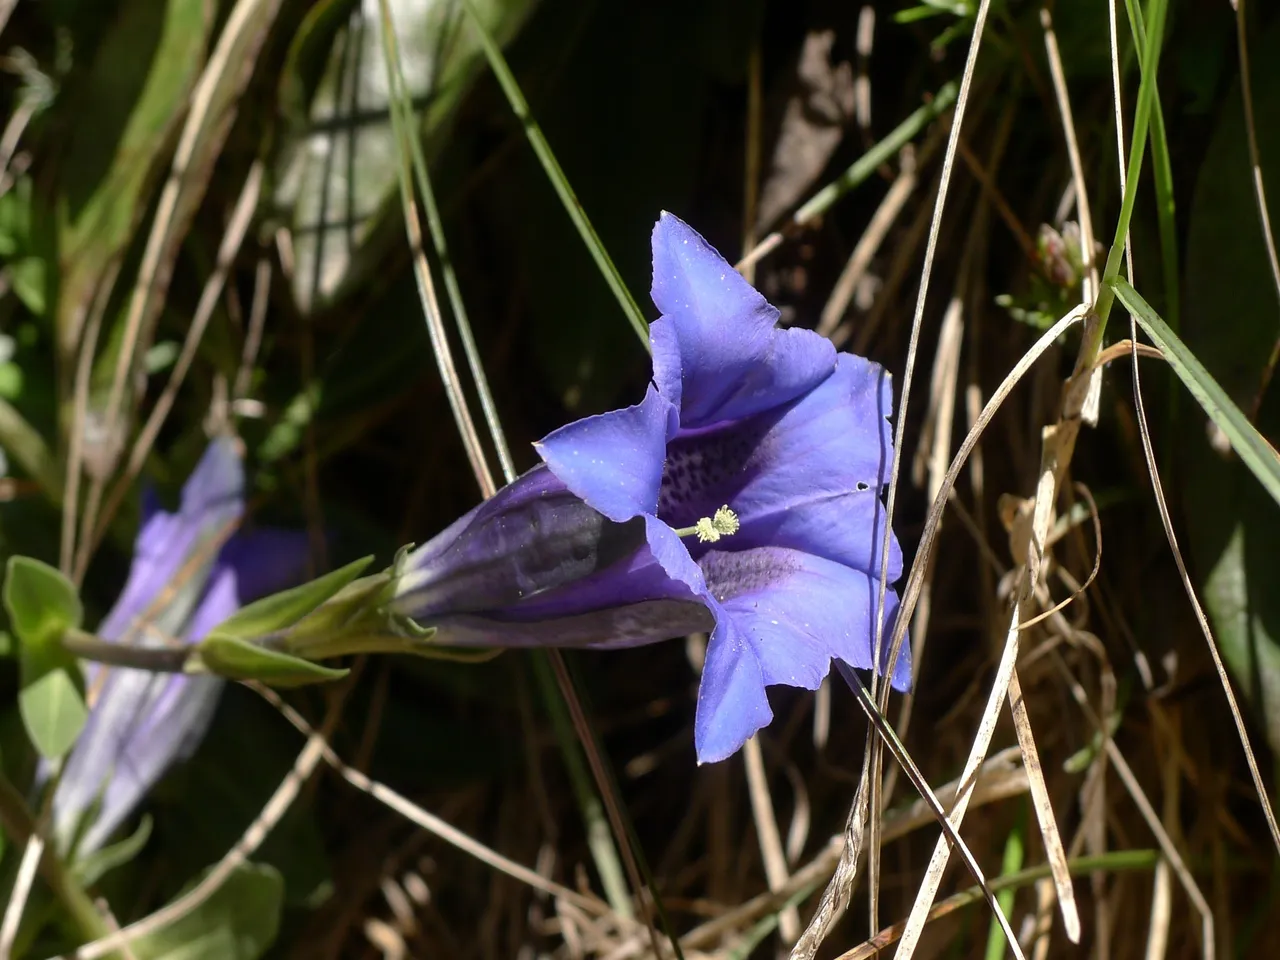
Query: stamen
[{"x": 711, "y": 529}]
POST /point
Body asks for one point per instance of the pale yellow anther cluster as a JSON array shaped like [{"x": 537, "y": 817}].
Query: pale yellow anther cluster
[{"x": 723, "y": 524}]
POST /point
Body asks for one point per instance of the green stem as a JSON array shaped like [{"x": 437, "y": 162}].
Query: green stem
[
  {"x": 86, "y": 646},
  {"x": 20, "y": 826},
  {"x": 401, "y": 101},
  {"x": 869, "y": 162},
  {"x": 1137, "y": 145},
  {"x": 599, "y": 839},
  {"x": 520, "y": 107}
]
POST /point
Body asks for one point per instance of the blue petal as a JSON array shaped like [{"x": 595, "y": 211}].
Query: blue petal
[
  {"x": 613, "y": 461},
  {"x": 716, "y": 350},
  {"x": 174, "y": 552},
  {"x": 797, "y": 611},
  {"x": 606, "y": 628},
  {"x": 658, "y": 568},
  {"x": 782, "y": 616},
  {"x": 531, "y": 538},
  {"x": 731, "y": 701},
  {"x": 807, "y": 476},
  {"x": 140, "y": 725}
]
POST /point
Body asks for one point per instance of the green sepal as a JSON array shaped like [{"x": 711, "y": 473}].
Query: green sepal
[
  {"x": 238, "y": 659},
  {"x": 280, "y": 610},
  {"x": 91, "y": 867}
]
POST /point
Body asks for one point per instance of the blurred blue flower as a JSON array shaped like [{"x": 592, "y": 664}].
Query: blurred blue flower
[
  {"x": 592, "y": 548},
  {"x": 190, "y": 571}
]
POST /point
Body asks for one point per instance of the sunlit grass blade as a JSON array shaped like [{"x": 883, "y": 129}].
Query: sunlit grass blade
[
  {"x": 1150, "y": 61},
  {"x": 400, "y": 100},
  {"x": 1248, "y": 443},
  {"x": 547, "y": 663},
  {"x": 1162, "y": 180},
  {"x": 559, "y": 181}
]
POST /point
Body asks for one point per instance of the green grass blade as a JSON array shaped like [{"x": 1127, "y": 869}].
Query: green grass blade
[
  {"x": 559, "y": 181},
  {"x": 881, "y": 152},
  {"x": 1014, "y": 854},
  {"x": 599, "y": 837},
  {"x": 1150, "y": 61},
  {"x": 1162, "y": 181},
  {"x": 1245, "y": 439},
  {"x": 402, "y": 102}
]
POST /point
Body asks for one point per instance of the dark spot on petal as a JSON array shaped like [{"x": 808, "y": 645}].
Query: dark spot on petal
[{"x": 730, "y": 574}]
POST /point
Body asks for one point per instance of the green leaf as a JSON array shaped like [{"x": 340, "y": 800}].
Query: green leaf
[
  {"x": 42, "y": 605},
  {"x": 284, "y": 609},
  {"x": 91, "y": 868},
  {"x": 241, "y": 660},
  {"x": 238, "y": 922},
  {"x": 127, "y": 110},
  {"x": 1229, "y": 321},
  {"x": 41, "y": 602},
  {"x": 1243, "y": 436},
  {"x": 53, "y": 710}
]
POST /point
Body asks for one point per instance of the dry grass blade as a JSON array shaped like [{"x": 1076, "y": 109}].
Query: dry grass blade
[
  {"x": 868, "y": 244},
  {"x": 949, "y": 824},
  {"x": 206, "y": 127},
  {"x": 79, "y": 417},
  {"x": 775, "y": 860},
  {"x": 422, "y": 271},
  {"x": 1162, "y": 507},
  {"x": 911, "y": 592},
  {"x": 919, "y": 915},
  {"x": 1000, "y": 778},
  {"x": 1162, "y": 882},
  {"x": 250, "y": 840},
  {"x": 917, "y": 320},
  {"x": 1090, "y": 291},
  {"x": 1130, "y": 860},
  {"x": 253, "y": 335},
  {"x": 238, "y": 226},
  {"x": 839, "y": 890},
  {"x": 31, "y": 856},
  {"x": 428, "y": 821},
  {"x": 1053, "y": 846},
  {"x": 1148, "y": 812},
  {"x": 932, "y": 456}
]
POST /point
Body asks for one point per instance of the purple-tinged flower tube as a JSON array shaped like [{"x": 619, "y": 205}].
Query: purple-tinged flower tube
[
  {"x": 593, "y": 547},
  {"x": 190, "y": 571}
]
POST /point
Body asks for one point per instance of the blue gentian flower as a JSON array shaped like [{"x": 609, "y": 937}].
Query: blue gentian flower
[
  {"x": 591, "y": 548},
  {"x": 190, "y": 571}
]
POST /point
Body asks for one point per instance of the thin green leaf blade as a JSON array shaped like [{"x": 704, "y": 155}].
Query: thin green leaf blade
[
  {"x": 1248, "y": 443},
  {"x": 90, "y": 869}
]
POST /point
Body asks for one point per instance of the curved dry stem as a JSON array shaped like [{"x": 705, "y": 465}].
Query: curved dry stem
[
  {"x": 1260, "y": 193},
  {"x": 1157, "y": 488},
  {"x": 935, "y": 227}
]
